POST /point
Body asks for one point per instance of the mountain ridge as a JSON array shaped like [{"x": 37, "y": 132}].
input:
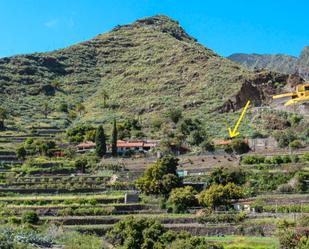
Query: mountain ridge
[{"x": 281, "y": 63}]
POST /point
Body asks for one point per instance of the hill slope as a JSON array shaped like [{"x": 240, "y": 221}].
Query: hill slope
[
  {"x": 276, "y": 62},
  {"x": 146, "y": 67}
]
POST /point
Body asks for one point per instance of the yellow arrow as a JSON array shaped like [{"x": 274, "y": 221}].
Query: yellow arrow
[{"x": 234, "y": 133}]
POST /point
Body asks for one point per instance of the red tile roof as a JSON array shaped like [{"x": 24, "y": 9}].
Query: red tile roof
[
  {"x": 121, "y": 143},
  {"x": 221, "y": 142},
  {"x": 86, "y": 145}
]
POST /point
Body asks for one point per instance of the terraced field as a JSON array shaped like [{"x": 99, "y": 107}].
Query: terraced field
[{"x": 95, "y": 201}]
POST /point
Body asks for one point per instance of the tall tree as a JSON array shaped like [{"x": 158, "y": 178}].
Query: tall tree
[
  {"x": 114, "y": 139},
  {"x": 100, "y": 142},
  {"x": 55, "y": 84},
  {"x": 80, "y": 108},
  {"x": 45, "y": 109},
  {"x": 105, "y": 97},
  {"x": 3, "y": 117}
]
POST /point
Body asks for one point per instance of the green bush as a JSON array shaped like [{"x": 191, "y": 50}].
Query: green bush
[
  {"x": 143, "y": 233},
  {"x": 305, "y": 157},
  {"x": 295, "y": 144},
  {"x": 239, "y": 146},
  {"x": 253, "y": 159},
  {"x": 21, "y": 152},
  {"x": 30, "y": 217},
  {"x": 284, "y": 137},
  {"x": 225, "y": 175}
]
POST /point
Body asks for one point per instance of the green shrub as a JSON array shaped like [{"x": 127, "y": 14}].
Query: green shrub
[
  {"x": 13, "y": 220},
  {"x": 305, "y": 157},
  {"x": 30, "y": 217},
  {"x": 225, "y": 175},
  {"x": 253, "y": 159},
  {"x": 239, "y": 146},
  {"x": 295, "y": 144},
  {"x": 21, "y": 152},
  {"x": 284, "y": 137}
]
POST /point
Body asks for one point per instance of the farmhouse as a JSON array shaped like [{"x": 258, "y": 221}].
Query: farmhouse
[
  {"x": 85, "y": 146},
  {"x": 135, "y": 146}
]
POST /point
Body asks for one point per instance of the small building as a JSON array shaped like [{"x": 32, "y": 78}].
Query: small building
[
  {"x": 242, "y": 207},
  {"x": 85, "y": 146},
  {"x": 131, "y": 197},
  {"x": 259, "y": 144},
  {"x": 124, "y": 146},
  {"x": 182, "y": 173}
]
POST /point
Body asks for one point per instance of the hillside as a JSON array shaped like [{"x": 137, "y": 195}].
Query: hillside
[
  {"x": 276, "y": 62},
  {"x": 146, "y": 67}
]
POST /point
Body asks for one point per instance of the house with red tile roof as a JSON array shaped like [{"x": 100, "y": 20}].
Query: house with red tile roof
[
  {"x": 85, "y": 146},
  {"x": 124, "y": 146}
]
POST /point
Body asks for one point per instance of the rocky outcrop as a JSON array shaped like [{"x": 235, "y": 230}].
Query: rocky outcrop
[{"x": 259, "y": 89}]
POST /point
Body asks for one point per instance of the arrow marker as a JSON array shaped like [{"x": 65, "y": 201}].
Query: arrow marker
[{"x": 234, "y": 132}]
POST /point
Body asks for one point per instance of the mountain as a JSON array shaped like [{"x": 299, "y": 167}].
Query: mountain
[
  {"x": 147, "y": 67},
  {"x": 276, "y": 62}
]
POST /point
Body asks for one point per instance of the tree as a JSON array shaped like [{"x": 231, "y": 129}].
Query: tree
[
  {"x": 181, "y": 199},
  {"x": 136, "y": 233},
  {"x": 196, "y": 137},
  {"x": 225, "y": 175},
  {"x": 21, "y": 152},
  {"x": 55, "y": 84},
  {"x": 105, "y": 97},
  {"x": 3, "y": 117},
  {"x": 208, "y": 145},
  {"x": 100, "y": 141},
  {"x": 174, "y": 114},
  {"x": 160, "y": 178},
  {"x": 81, "y": 164},
  {"x": 45, "y": 109},
  {"x": 114, "y": 139},
  {"x": 80, "y": 108},
  {"x": 239, "y": 146},
  {"x": 142, "y": 233},
  {"x": 217, "y": 195},
  {"x": 63, "y": 107}
]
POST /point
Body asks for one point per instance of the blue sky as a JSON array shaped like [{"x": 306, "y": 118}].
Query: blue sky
[{"x": 225, "y": 26}]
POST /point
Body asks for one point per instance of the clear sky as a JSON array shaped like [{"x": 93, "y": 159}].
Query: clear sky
[{"x": 226, "y": 26}]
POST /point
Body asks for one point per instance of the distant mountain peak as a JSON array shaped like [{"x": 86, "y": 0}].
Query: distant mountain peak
[{"x": 281, "y": 63}]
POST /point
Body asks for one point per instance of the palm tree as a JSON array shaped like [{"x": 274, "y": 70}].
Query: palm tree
[
  {"x": 105, "y": 96},
  {"x": 80, "y": 108},
  {"x": 3, "y": 116},
  {"x": 55, "y": 84},
  {"x": 45, "y": 109}
]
